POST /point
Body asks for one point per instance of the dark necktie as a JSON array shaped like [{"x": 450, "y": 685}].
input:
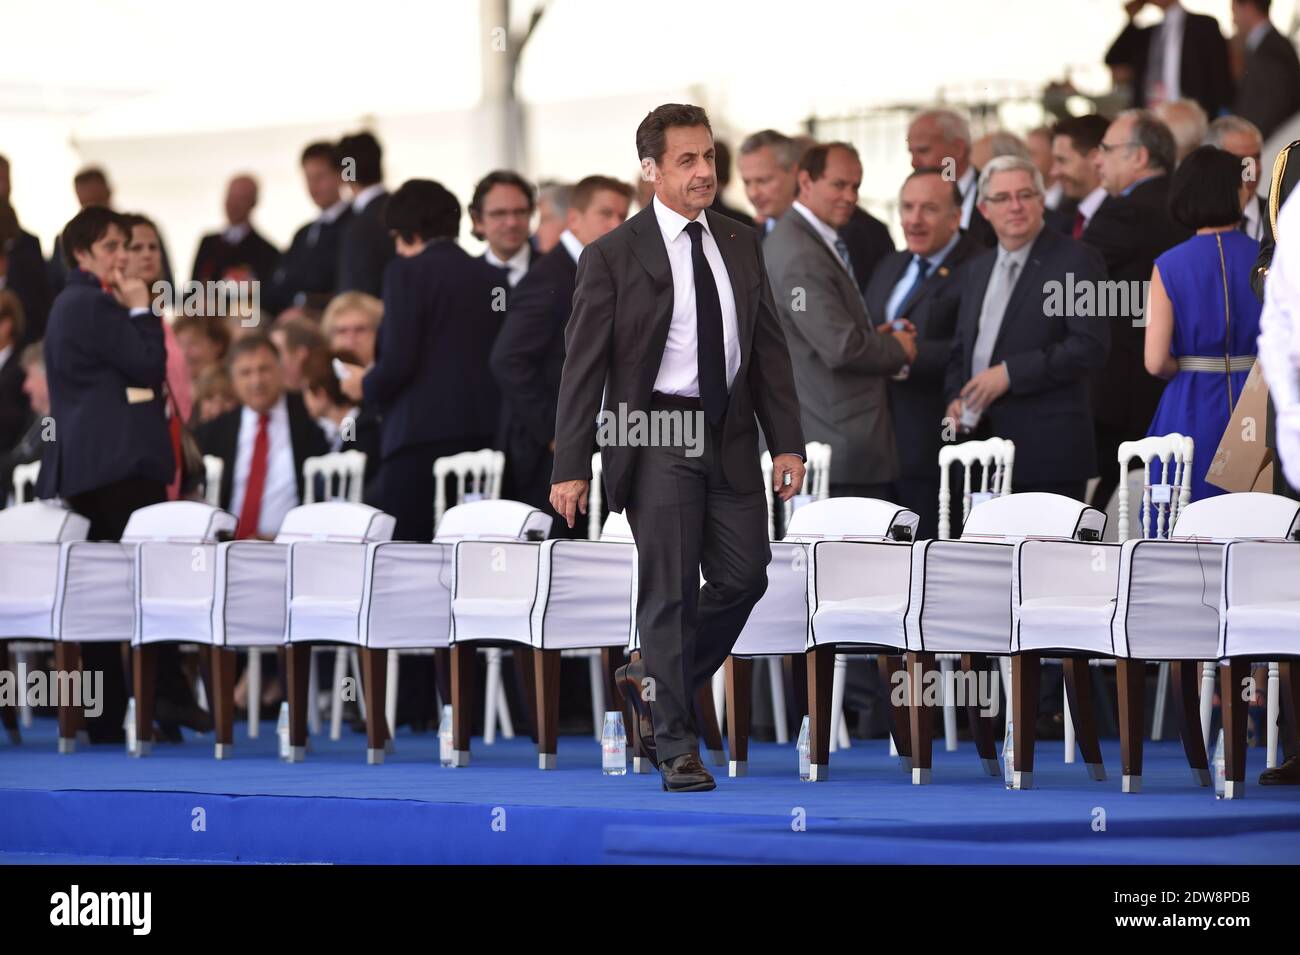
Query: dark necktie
[
  {"x": 1079, "y": 223},
  {"x": 922, "y": 267},
  {"x": 250, "y": 512},
  {"x": 710, "y": 355}
]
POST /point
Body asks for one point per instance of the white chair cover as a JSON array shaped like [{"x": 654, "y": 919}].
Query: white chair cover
[
  {"x": 174, "y": 579},
  {"x": 1259, "y": 609},
  {"x": 30, "y": 539}
]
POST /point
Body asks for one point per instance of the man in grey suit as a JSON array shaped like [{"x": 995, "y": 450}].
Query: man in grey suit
[
  {"x": 673, "y": 321},
  {"x": 841, "y": 362}
]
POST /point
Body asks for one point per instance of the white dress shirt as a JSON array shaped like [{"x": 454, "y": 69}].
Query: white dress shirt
[
  {"x": 1090, "y": 203},
  {"x": 1170, "y": 36},
  {"x": 571, "y": 245},
  {"x": 280, "y": 493},
  {"x": 235, "y": 234},
  {"x": 908, "y": 278},
  {"x": 679, "y": 368},
  {"x": 366, "y": 196},
  {"x": 829, "y": 235},
  {"x": 516, "y": 266},
  {"x": 968, "y": 187},
  {"x": 1252, "y": 221},
  {"x": 1279, "y": 337}
]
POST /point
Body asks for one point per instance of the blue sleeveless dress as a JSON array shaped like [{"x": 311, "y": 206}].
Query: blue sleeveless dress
[{"x": 1199, "y": 403}]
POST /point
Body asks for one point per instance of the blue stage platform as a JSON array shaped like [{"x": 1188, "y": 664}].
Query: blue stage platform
[{"x": 99, "y": 806}]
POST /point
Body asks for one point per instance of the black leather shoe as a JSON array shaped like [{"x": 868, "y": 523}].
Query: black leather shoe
[
  {"x": 630, "y": 684},
  {"x": 686, "y": 774},
  {"x": 1288, "y": 774}
]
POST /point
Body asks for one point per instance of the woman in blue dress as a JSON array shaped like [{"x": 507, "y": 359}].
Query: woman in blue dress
[{"x": 1202, "y": 317}]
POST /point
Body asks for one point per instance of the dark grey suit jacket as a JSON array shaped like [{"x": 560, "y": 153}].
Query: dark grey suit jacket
[
  {"x": 840, "y": 362},
  {"x": 622, "y": 308}
]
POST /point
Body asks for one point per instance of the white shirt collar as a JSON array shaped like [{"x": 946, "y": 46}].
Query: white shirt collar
[
  {"x": 236, "y": 234},
  {"x": 671, "y": 222},
  {"x": 1090, "y": 203},
  {"x": 280, "y": 408},
  {"x": 366, "y": 195},
  {"x": 5, "y": 353},
  {"x": 516, "y": 265},
  {"x": 1256, "y": 35},
  {"x": 965, "y": 181},
  {"x": 333, "y": 212},
  {"x": 936, "y": 258},
  {"x": 571, "y": 245},
  {"x": 823, "y": 230},
  {"x": 1175, "y": 14}
]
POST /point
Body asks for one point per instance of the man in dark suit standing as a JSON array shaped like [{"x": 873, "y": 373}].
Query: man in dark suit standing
[
  {"x": 1269, "y": 92},
  {"x": 1130, "y": 229},
  {"x": 22, "y": 268},
  {"x": 263, "y": 443},
  {"x": 922, "y": 286},
  {"x": 238, "y": 252},
  {"x": 430, "y": 381},
  {"x": 365, "y": 246},
  {"x": 501, "y": 210},
  {"x": 308, "y": 273},
  {"x": 15, "y": 411},
  {"x": 673, "y": 314},
  {"x": 1020, "y": 361},
  {"x": 1184, "y": 55},
  {"x": 1242, "y": 138},
  {"x": 528, "y": 356},
  {"x": 940, "y": 139}
]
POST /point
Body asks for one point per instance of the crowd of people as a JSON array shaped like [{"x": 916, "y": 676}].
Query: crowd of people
[{"x": 376, "y": 330}]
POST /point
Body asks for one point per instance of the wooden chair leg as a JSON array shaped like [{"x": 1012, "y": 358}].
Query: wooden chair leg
[
  {"x": 1025, "y": 671},
  {"x": 374, "y": 674},
  {"x": 463, "y": 663},
  {"x": 706, "y": 717},
  {"x": 9, "y": 714},
  {"x": 1078, "y": 690},
  {"x": 546, "y": 692},
  {"x": 526, "y": 679},
  {"x": 1130, "y": 677},
  {"x": 144, "y": 670},
  {"x": 297, "y": 661},
  {"x": 921, "y": 716},
  {"x": 222, "y": 698},
  {"x": 821, "y": 670},
  {"x": 67, "y": 659},
  {"x": 981, "y": 726},
  {"x": 740, "y": 687},
  {"x": 795, "y": 677},
  {"x": 1232, "y": 702},
  {"x": 1185, "y": 677},
  {"x": 890, "y": 667}
]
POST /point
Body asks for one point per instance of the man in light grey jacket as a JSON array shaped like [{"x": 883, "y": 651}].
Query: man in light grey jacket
[{"x": 841, "y": 362}]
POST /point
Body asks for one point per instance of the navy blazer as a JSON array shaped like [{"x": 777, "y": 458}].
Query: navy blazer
[
  {"x": 430, "y": 380},
  {"x": 308, "y": 268},
  {"x": 1046, "y": 412},
  {"x": 365, "y": 248},
  {"x": 94, "y": 352}
]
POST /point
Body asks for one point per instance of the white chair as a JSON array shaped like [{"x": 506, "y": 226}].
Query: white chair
[
  {"x": 337, "y": 476},
  {"x": 31, "y": 536},
  {"x": 1170, "y": 494},
  {"x": 1147, "y": 599},
  {"x": 477, "y": 477},
  {"x": 25, "y": 476},
  {"x": 1259, "y": 619},
  {"x": 960, "y": 601},
  {"x": 213, "y": 469},
  {"x": 996, "y": 457}
]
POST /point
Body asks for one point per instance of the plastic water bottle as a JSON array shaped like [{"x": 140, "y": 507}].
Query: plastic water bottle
[
  {"x": 282, "y": 729},
  {"x": 1009, "y": 756},
  {"x": 613, "y": 745},
  {"x": 805, "y": 769},
  {"x": 1220, "y": 768},
  {"x": 128, "y": 726},
  {"x": 446, "y": 740}
]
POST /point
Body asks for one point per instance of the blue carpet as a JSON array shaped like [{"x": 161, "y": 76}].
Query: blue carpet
[{"x": 179, "y": 804}]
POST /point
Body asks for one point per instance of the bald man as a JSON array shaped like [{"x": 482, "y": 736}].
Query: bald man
[{"x": 237, "y": 252}]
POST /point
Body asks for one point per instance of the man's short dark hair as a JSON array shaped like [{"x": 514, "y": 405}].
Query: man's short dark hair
[
  {"x": 422, "y": 209},
  {"x": 1149, "y": 131},
  {"x": 86, "y": 228},
  {"x": 1085, "y": 133},
  {"x": 249, "y": 343},
  {"x": 586, "y": 190},
  {"x": 936, "y": 171},
  {"x": 652, "y": 134},
  {"x": 132, "y": 219},
  {"x": 366, "y": 154},
  {"x": 90, "y": 174},
  {"x": 323, "y": 151},
  {"x": 501, "y": 177},
  {"x": 1203, "y": 192},
  {"x": 814, "y": 160}
]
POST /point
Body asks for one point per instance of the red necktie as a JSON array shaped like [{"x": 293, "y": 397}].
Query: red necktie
[
  {"x": 252, "y": 509},
  {"x": 1079, "y": 221}
]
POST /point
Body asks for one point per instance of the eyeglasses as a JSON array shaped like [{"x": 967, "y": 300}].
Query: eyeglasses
[
  {"x": 1107, "y": 148},
  {"x": 1025, "y": 196},
  {"x": 496, "y": 215}
]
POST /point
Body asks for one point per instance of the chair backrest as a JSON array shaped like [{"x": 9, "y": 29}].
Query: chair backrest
[
  {"x": 853, "y": 517},
  {"x": 336, "y": 521},
  {"x": 616, "y": 528},
  {"x": 41, "y": 522},
  {"x": 996, "y": 457},
  {"x": 25, "y": 476},
  {"x": 340, "y": 474},
  {"x": 1167, "y": 491},
  {"x": 1245, "y": 514},
  {"x": 595, "y": 498},
  {"x": 508, "y": 519},
  {"x": 213, "y": 469},
  {"x": 179, "y": 521},
  {"x": 1034, "y": 515},
  {"x": 477, "y": 477}
]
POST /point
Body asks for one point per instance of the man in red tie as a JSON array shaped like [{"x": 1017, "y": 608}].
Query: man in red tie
[{"x": 1074, "y": 165}]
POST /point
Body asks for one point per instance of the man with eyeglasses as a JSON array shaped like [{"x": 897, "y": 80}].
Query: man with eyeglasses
[
  {"x": 1020, "y": 362},
  {"x": 1130, "y": 229},
  {"x": 501, "y": 210}
]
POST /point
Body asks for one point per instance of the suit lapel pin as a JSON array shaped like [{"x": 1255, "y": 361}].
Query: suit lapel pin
[{"x": 943, "y": 271}]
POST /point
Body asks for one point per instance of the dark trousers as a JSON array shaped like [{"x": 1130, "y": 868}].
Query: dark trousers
[
  {"x": 686, "y": 518},
  {"x": 921, "y": 495},
  {"x": 406, "y": 484}
]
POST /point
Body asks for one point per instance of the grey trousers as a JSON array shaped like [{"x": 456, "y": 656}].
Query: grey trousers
[{"x": 686, "y": 518}]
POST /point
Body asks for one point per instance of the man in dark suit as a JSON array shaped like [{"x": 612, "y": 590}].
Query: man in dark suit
[
  {"x": 1020, "y": 360},
  {"x": 940, "y": 139},
  {"x": 1242, "y": 138},
  {"x": 722, "y": 160},
  {"x": 1076, "y": 142},
  {"x": 869, "y": 243},
  {"x": 1269, "y": 91},
  {"x": 1130, "y": 229},
  {"x": 30, "y": 445},
  {"x": 673, "y": 314},
  {"x": 1184, "y": 55},
  {"x": 365, "y": 247},
  {"x": 500, "y": 211},
  {"x": 430, "y": 381},
  {"x": 528, "y": 356},
  {"x": 922, "y": 286},
  {"x": 263, "y": 443},
  {"x": 308, "y": 273},
  {"x": 22, "y": 267},
  {"x": 238, "y": 252},
  {"x": 840, "y": 361}
]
